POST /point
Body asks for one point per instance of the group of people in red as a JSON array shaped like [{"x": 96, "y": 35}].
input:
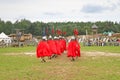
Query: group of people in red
[{"x": 52, "y": 48}]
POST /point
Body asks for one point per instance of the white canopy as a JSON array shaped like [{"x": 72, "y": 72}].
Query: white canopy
[{"x": 5, "y": 38}]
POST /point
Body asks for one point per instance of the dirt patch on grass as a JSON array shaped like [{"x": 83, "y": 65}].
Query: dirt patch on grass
[
  {"x": 13, "y": 54},
  {"x": 25, "y": 53},
  {"x": 97, "y": 53},
  {"x": 30, "y": 53}
]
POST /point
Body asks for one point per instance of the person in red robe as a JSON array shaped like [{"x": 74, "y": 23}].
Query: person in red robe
[
  {"x": 78, "y": 48},
  {"x": 52, "y": 46},
  {"x": 62, "y": 44},
  {"x": 58, "y": 46},
  {"x": 73, "y": 49},
  {"x": 43, "y": 49}
]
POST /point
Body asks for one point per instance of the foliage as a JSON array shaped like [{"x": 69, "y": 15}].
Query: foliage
[{"x": 39, "y": 28}]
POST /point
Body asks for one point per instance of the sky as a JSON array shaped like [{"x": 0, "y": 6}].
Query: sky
[{"x": 60, "y": 10}]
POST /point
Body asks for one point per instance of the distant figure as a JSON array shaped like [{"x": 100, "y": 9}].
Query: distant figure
[
  {"x": 43, "y": 49},
  {"x": 75, "y": 31},
  {"x": 73, "y": 49}
]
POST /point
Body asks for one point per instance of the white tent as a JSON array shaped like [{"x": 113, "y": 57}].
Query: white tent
[{"x": 5, "y": 38}]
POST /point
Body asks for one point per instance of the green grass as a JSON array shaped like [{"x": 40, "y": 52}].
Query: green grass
[
  {"x": 85, "y": 68},
  {"x": 17, "y": 49},
  {"x": 112, "y": 49},
  {"x": 25, "y": 67}
]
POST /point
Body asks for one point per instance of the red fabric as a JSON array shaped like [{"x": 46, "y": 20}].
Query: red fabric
[
  {"x": 52, "y": 46},
  {"x": 43, "y": 49},
  {"x": 63, "y": 45},
  {"x": 75, "y": 32},
  {"x": 58, "y": 47},
  {"x": 64, "y": 33},
  {"x": 59, "y": 32},
  {"x": 73, "y": 49},
  {"x": 78, "y": 49},
  {"x": 118, "y": 40}
]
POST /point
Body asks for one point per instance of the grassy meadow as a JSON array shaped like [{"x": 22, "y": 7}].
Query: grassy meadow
[
  {"x": 15, "y": 65},
  {"x": 107, "y": 49}
]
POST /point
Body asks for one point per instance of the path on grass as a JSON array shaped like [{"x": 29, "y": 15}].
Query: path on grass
[
  {"x": 86, "y": 53},
  {"x": 97, "y": 53},
  {"x": 83, "y": 53}
]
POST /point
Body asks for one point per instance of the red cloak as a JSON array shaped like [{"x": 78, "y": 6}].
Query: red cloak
[
  {"x": 62, "y": 45},
  {"x": 58, "y": 47},
  {"x": 73, "y": 49},
  {"x": 52, "y": 46},
  {"x": 43, "y": 49}
]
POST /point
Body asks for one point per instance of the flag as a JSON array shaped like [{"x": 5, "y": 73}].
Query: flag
[
  {"x": 59, "y": 32},
  {"x": 53, "y": 30},
  {"x": 46, "y": 30},
  {"x": 43, "y": 31},
  {"x": 64, "y": 33},
  {"x": 75, "y": 31}
]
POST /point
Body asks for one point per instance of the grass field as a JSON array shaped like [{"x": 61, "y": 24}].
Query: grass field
[
  {"x": 111, "y": 49},
  {"x": 26, "y": 67}
]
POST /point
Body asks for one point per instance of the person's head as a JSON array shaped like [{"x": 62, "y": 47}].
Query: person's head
[
  {"x": 73, "y": 38},
  {"x": 50, "y": 37},
  {"x": 44, "y": 38},
  {"x": 60, "y": 37},
  {"x": 55, "y": 37}
]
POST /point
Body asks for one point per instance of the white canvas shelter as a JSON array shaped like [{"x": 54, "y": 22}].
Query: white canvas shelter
[{"x": 5, "y": 38}]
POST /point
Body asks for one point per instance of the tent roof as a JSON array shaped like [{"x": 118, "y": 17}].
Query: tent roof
[
  {"x": 94, "y": 27},
  {"x": 108, "y": 32},
  {"x": 3, "y": 35}
]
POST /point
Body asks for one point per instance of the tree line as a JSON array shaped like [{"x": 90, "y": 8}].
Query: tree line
[{"x": 40, "y": 28}]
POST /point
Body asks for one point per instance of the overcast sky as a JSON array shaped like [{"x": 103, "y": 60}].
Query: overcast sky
[{"x": 60, "y": 10}]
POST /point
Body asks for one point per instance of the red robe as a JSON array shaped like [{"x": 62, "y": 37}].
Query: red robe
[
  {"x": 73, "y": 49},
  {"x": 52, "y": 46},
  {"x": 63, "y": 45},
  {"x": 43, "y": 49},
  {"x": 58, "y": 47},
  {"x": 78, "y": 49}
]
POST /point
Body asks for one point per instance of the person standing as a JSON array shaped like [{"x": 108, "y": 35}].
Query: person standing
[
  {"x": 52, "y": 46},
  {"x": 43, "y": 49},
  {"x": 62, "y": 43},
  {"x": 73, "y": 49},
  {"x": 58, "y": 46}
]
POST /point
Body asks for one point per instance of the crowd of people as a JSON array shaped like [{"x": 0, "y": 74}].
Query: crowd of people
[
  {"x": 101, "y": 41},
  {"x": 55, "y": 47}
]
